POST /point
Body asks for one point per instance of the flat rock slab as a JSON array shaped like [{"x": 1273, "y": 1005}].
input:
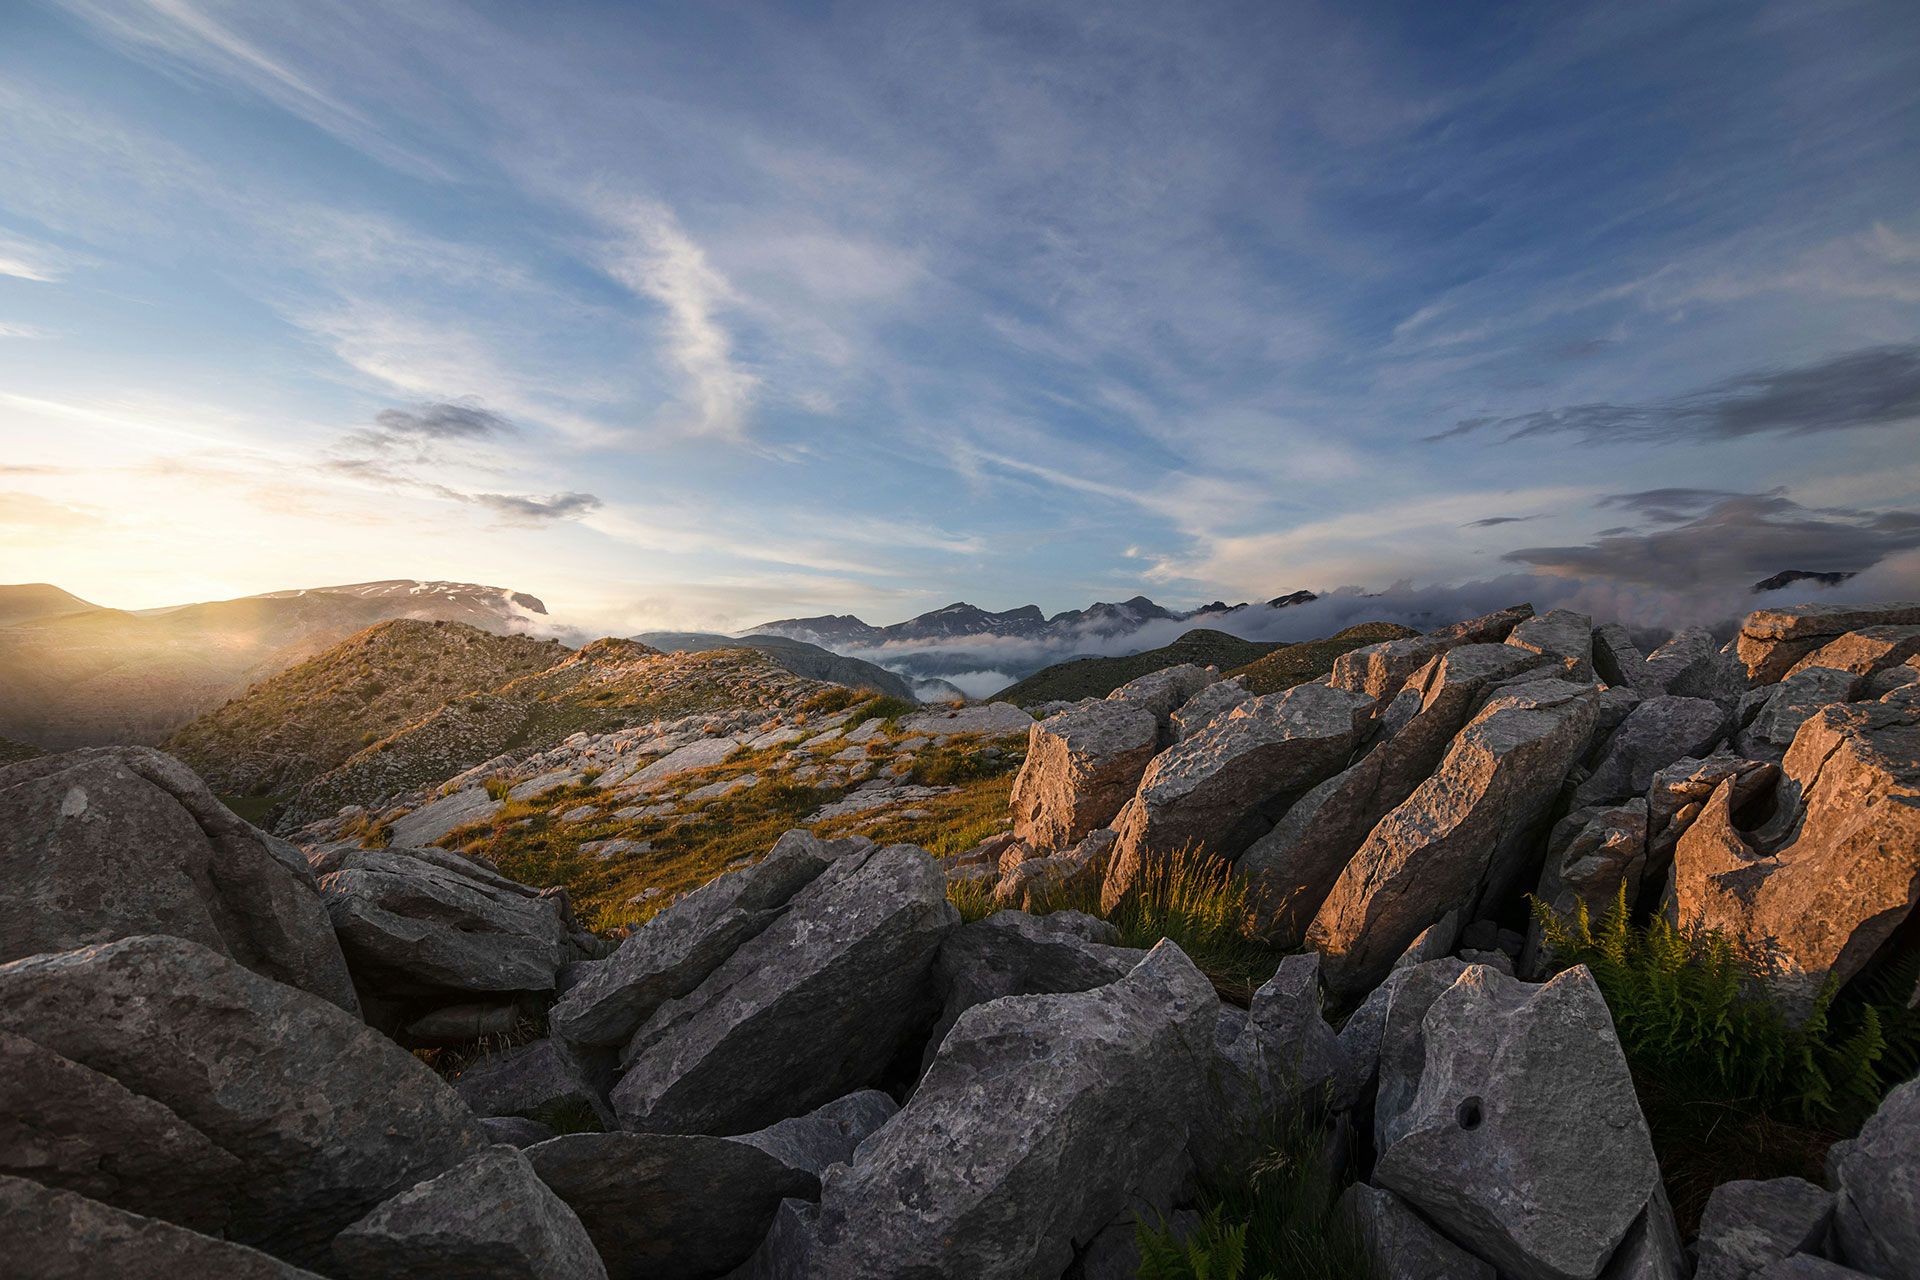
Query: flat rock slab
[
  {"x": 993, "y": 720},
  {"x": 695, "y": 755},
  {"x": 432, "y": 823}
]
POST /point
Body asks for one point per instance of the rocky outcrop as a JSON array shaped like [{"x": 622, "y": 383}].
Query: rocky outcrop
[
  {"x": 487, "y": 1216},
  {"x": 1462, "y": 838},
  {"x": 1680, "y": 792},
  {"x": 1025, "y": 1136},
  {"x": 1816, "y": 890},
  {"x": 1163, "y": 693},
  {"x": 1011, "y": 953},
  {"x": 113, "y": 842},
  {"x": 827, "y": 1135},
  {"x": 1788, "y": 706},
  {"x": 1562, "y": 638},
  {"x": 1865, "y": 651},
  {"x": 1876, "y": 1180},
  {"x": 1208, "y": 705},
  {"x": 1524, "y": 1140},
  {"x": 1207, "y": 793},
  {"x": 328, "y": 1118},
  {"x": 1772, "y": 641},
  {"x": 1657, "y": 732},
  {"x": 1081, "y": 767},
  {"x": 1593, "y": 856},
  {"x": 1378, "y": 670},
  {"x": 1037, "y": 884},
  {"x": 809, "y": 1009}
]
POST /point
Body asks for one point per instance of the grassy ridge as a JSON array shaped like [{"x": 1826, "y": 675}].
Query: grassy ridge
[
  {"x": 1292, "y": 664},
  {"x": 1098, "y": 677}
]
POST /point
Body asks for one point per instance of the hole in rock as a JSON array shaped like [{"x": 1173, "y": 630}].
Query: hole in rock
[{"x": 1469, "y": 1114}]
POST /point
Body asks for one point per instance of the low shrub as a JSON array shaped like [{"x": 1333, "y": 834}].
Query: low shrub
[
  {"x": 497, "y": 788},
  {"x": 828, "y": 701}
]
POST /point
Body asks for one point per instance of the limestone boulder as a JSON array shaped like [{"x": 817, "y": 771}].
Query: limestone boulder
[
  {"x": 1619, "y": 661},
  {"x": 1208, "y": 705},
  {"x": 1082, "y": 766},
  {"x": 53, "y": 1234},
  {"x": 433, "y": 822},
  {"x": 1790, "y": 704},
  {"x": 329, "y": 1117},
  {"x": 1807, "y": 1266},
  {"x": 1692, "y": 665},
  {"x": 112, "y": 842},
  {"x": 1466, "y": 836},
  {"x": 827, "y": 1135},
  {"x": 1389, "y": 1030},
  {"x": 1562, "y": 638},
  {"x": 1165, "y": 692},
  {"x": 1399, "y": 1242},
  {"x": 1011, "y": 953},
  {"x": 1657, "y": 732},
  {"x": 1865, "y": 651},
  {"x": 1524, "y": 1141},
  {"x": 1772, "y": 641},
  {"x": 1036, "y": 884},
  {"x": 1027, "y": 1135},
  {"x": 1378, "y": 670},
  {"x": 1748, "y": 1226},
  {"x": 1292, "y": 868},
  {"x": 1876, "y": 1181},
  {"x": 489, "y": 1215},
  {"x": 1210, "y": 793},
  {"x": 1593, "y": 854},
  {"x": 1814, "y": 891},
  {"x": 677, "y": 950},
  {"x": 1680, "y": 792},
  {"x": 525, "y": 1078},
  {"x": 809, "y": 1009}
]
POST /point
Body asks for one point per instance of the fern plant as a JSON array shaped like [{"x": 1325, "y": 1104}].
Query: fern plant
[{"x": 1216, "y": 1251}]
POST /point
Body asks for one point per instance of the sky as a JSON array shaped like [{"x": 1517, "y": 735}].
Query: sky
[{"x": 695, "y": 316}]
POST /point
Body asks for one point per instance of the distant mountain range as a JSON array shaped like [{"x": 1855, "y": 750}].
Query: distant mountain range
[
  {"x": 77, "y": 674},
  {"x": 798, "y": 656}
]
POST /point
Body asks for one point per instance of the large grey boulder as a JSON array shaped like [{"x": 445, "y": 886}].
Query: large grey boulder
[
  {"x": 430, "y": 923},
  {"x": 1865, "y": 651},
  {"x": 1654, "y": 734},
  {"x": 1082, "y": 766},
  {"x": 487, "y": 1218},
  {"x": 1390, "y": 1029},
  {"x": 1378, "y": 670},
  {"x": 1876, "y": 1180},
  {"x": 1400, "y": 1244},
  {"x": 676, "y": 950},
  {"x": 1207, "y": 794},
  {"x": 1813, "y": 892},
  {"x": 1618, "y": 660},
  {"x": 1165, "y": 692},
  {"x": 661, "y": 1206},
  {"x": 1693, "y": 665},
  {"x": 1593, "y": 855},
  {"x": 827, "y": 1135},
  {"x": 1790, "y": 704},
  {"x": 1028, "y": 1134},
  {"x": 811, "y": 1008},
  {"x": 1680, "y": 793},
  {"x": 1525, "y": 1140},
  {"x": 1563, "y": 638},
  {"x": 1208, "y": 705},
  {"x": 328, "y": 1118},
  {"x": 1652, "y": 1249},
  {"x": 1292, "y": 868},
  {"x": 1748, "y": 1226},
  {"x": 1463, "y": 838},
  {"x": 111, "y": 842},
  {"x": 1011, "y": 953},
  {"x": 1772, "y": 641},
  {"x": 52, "y": 1234},
  {"x": 69, "y": 1126}
]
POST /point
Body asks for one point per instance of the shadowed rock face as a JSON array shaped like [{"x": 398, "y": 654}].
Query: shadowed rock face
[
  {"x": 118, "y": 841},
  {"x": 328, "y": 1118},
  {"x": 1816, "y": 890},
  {"x": 1876, "y": 1216}
]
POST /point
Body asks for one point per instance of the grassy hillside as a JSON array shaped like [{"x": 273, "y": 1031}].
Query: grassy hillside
[
  {"x": 1098, "y": 677},
  {"x": 297, "y": 725},
  {"x": 1294, "y": 664}
]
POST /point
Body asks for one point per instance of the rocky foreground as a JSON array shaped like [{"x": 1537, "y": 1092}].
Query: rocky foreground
[{"x": 811, "y": 1068}]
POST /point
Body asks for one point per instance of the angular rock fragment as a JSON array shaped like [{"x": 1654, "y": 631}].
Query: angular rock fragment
[
  {"x": 1876, "y": 1180},
  {"x": 809, "y": 1009},
  {"x": 1680, "y": 791},
  {"x": 1208, "y": 705},
  {"x": 1378, "y": 670},
  {"x": 1081, "y": 767},
  {"x": 1654, "y": 734},
  {"x": 487, "y": 1216},
  {"x": 1593, "y": 855},
  {"x": 1865, "y": 651},
  {"x": 112, "y": 842},
  {"x": 826, "y": 1135},
  {"x": 1011, "y": 953},
  {"x": 1165, "y": 692},
  {"x": 516, "y": 1131},
  {"x": 1771, "y": 641},
  {"x": 1034, "y": 884},
  {"x": 529, "y": 1077},
  {"x": 1563, "y": 638},
  {"x": 1748, "y": 1226},
  {"x": 1691, "y": 665},
  {"x": 1403, "y": 1246},
  {"x": 1790, "y": 704}
]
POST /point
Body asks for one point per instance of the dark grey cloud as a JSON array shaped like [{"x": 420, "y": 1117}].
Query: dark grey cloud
[
  {"x": 1671, "y": 506},
  {"x": 444, "y": 421},
  {"x": 1735, "y": 539},
  {"x": 1873, "y": 387},
  {"x": 520, "y": 509},
  {"x": 1491, "y": 521}
]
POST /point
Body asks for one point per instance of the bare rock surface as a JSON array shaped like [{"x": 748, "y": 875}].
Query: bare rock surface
[
  {"x": 1748, "y": 1226},
  {"x": 1026, "y": 1135},
  {"x": 112, "y": 842},
  {"x": 328, "y": 1118},
  {"x": 1081, "y": 767},
  {"x": 827, "y": 1135},
  {"x": 1865, "y": 651},
  {"x": 1525, "y": 1140},
  {"x": 1680, "y": 791},
  {"x": 1654, "y": 734},
  {"x": 1593, "y": 855},
  {"x": 1772, "y": 641},
  {"x": 1827, "y": 879},
  {"x": 1378, "y": 670},
  {"x": 1400, "y": 1242},
  {"x": 1206, "y": 706},
  {"x": 1790, "y": 704},
  {"x": 53, "y": 1234},
  {"x": 487, "y": 1218},
  {"x": 528, "y": 1077},
  {"x": 1460, "y": 838},
  {"x": 1876, "y": 1178},
  {"x": 809, "y": 1009},
  {"x": 433, "y": 822},
  {"x": 1563, "y": 638}
]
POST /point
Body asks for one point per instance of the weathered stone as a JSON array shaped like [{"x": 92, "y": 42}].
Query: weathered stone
[
  {"x": 1027, "y": 1133},
  {"x": 67, "y": 1126},
  {"x": 1691, "y": 665},
  {"x": 1081, "y": 767},
  {"x": 112, "y": 842},
  {"x": 1525, "y": 1140},
  {"x": 1748, "y": 1226},
  {"x": 1114, "y": 1254},
  {"x": 415, "y": 926},
  {"x": 1378, "y": 670},
  {"x": 826, "y": 1135},
  {"x": 703, "y": 754},
  {"x": 1034, "y": 884},
  {"x": 516, "y": 1130},
  {"x": 1461, "y": 839},
  {"x": 1652, "y": 1249},
  {"x": 1492, "y": 628},
  {"x": 525, "y": 1078},
  {"x": 1592, "y": 855},
  {"x": 1011, "y": 953},
  {"x": 1563, "y": 638},
  {"x": 1792, "y": 702},
  {"x": 1202, "y": 794},
  {"x": 1654, "y": 734},
  {"x": 1208, "y": 705},
  {"x": 1400, "y": 1244},
  {"x": 1876, "y": 1180},
  {"x": 1865, "y": 651},
  {"x": 329, "y": 1117},
  {"x": 1618, "y": 660},
  {"x": 1772, "y": 641},
  {"x": 676, "y": 950},
  {"x": 1387, "y": 1029},
  {"x": 1815, "y": 891},
  {"x": 488, "y": 1216},
  {"x": 786, "y": 1252},
  {"x": 992, "y": 719},
  {"x": 1681, "y": 790},
  {"x": 663, "y": 1206},
  {"x": 1292, "y": 868},
  {"x": 1887, "y": 679},
  {"x": 809, "y": 1009},
  {"x": 52, "y": 1234},
  {"x": 1164, "y": 692},
  {"x": 460, "y": 1023},
  {"x": 1805, "y": 1266},
  {"x": 433, "y": 822}
]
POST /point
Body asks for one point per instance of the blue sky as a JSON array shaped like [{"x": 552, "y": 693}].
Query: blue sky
[{"x": 702, "y": 315}]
